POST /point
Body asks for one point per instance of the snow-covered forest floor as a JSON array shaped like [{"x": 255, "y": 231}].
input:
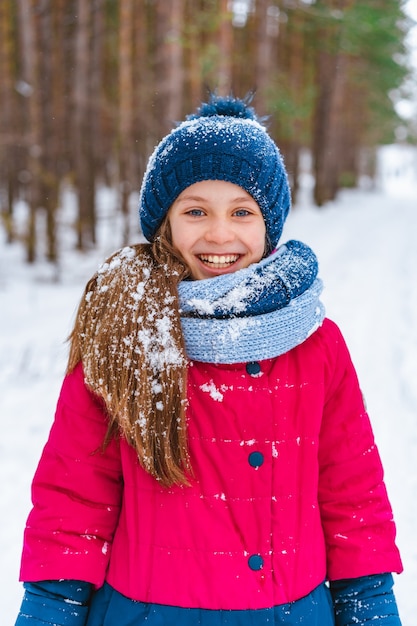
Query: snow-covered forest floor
[{"x": 366, "y": 242}]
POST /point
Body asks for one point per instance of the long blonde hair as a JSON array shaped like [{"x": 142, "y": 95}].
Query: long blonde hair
[{"x": 127, "y": 334}]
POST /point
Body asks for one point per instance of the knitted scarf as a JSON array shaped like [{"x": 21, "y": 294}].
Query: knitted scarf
[{"x": 256, "y": 313}]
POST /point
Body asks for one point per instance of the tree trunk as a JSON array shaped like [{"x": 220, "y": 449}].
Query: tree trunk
[
  {"x": 49, "y": 181},
  {"x": 144, "y": 125},
  {"x": 30, "y": 64},
  {"x": 296, "y": 77},
  {"x": 169, "y": 62},
  {"x": 98, "y": 146},
  {"x": 83, "y": 150},
  {"x": 225, "y": 38},
  {"x": 328, "y": 119},
  {"x": 8, "y": 122},
  {"x": 125, "y": 109},
  {"x": 193, "y": 46},
  {"x": 266, "y": 35}
]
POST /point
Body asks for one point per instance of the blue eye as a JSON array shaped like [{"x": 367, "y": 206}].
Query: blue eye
[
  {"x": 195, "y": 212},
  {"x": 242, "y": 212}
]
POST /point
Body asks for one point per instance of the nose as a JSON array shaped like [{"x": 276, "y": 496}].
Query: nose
[{"x": 219, "y": 231}]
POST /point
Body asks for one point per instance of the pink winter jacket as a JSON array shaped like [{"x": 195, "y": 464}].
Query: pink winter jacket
[{"x": 288, "y": 490}]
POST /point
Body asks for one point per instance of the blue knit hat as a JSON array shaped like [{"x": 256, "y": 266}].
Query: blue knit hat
[{"x": 223, "y": 140}]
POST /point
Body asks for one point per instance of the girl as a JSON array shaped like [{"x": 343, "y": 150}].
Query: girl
[{"x": 211, "y": 460}]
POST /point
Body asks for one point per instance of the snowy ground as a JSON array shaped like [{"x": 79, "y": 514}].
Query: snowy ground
[{"x": 366, "y": 244}]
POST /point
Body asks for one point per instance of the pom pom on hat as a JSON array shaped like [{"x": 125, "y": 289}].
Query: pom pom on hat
[
  {"x": 223, "y": 140},
  {"x": 233, "y": 107}
]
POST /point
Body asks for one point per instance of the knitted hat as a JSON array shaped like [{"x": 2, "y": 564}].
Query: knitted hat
[{"x": 223, "y": 140}]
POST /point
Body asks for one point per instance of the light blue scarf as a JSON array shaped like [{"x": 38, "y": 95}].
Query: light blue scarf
[{"x": 256, "y": 313}]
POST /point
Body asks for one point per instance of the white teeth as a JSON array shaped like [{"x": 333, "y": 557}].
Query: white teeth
[{"x": 216, "y": 259}]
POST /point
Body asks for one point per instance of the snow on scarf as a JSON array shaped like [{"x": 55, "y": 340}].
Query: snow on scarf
[{"x": 256, "y": 313}]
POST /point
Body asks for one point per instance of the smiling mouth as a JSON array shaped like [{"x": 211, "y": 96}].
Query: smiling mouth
[{"x": 218, "y": 261}]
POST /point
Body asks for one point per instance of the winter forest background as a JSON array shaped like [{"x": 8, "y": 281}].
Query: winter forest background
[
  {"x": 88, "y": 88},
  {"x": 86, "y": 91}
]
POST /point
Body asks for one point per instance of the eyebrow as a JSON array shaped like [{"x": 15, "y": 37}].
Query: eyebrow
[{"x": 186, "y": 198}]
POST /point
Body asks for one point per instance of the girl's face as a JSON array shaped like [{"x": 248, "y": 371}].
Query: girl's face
[{"x": 217, "y": 227}]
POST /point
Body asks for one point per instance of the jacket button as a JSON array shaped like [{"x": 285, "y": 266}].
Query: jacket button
[
  {"x": 255, "y": 562},
  {"x": 256, "y": 459},
  {"x": 253, "y": 368}
]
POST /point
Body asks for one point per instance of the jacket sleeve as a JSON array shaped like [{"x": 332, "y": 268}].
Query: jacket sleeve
[
  {"x": 76, "y": 493},
  {"x": 365, "y": 601},
  {"x": 356, "y": 514},
  {"x": 55, "y": 603}
]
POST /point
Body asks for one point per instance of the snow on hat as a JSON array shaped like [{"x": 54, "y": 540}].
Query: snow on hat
[{"x": 223, "y": 140}]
